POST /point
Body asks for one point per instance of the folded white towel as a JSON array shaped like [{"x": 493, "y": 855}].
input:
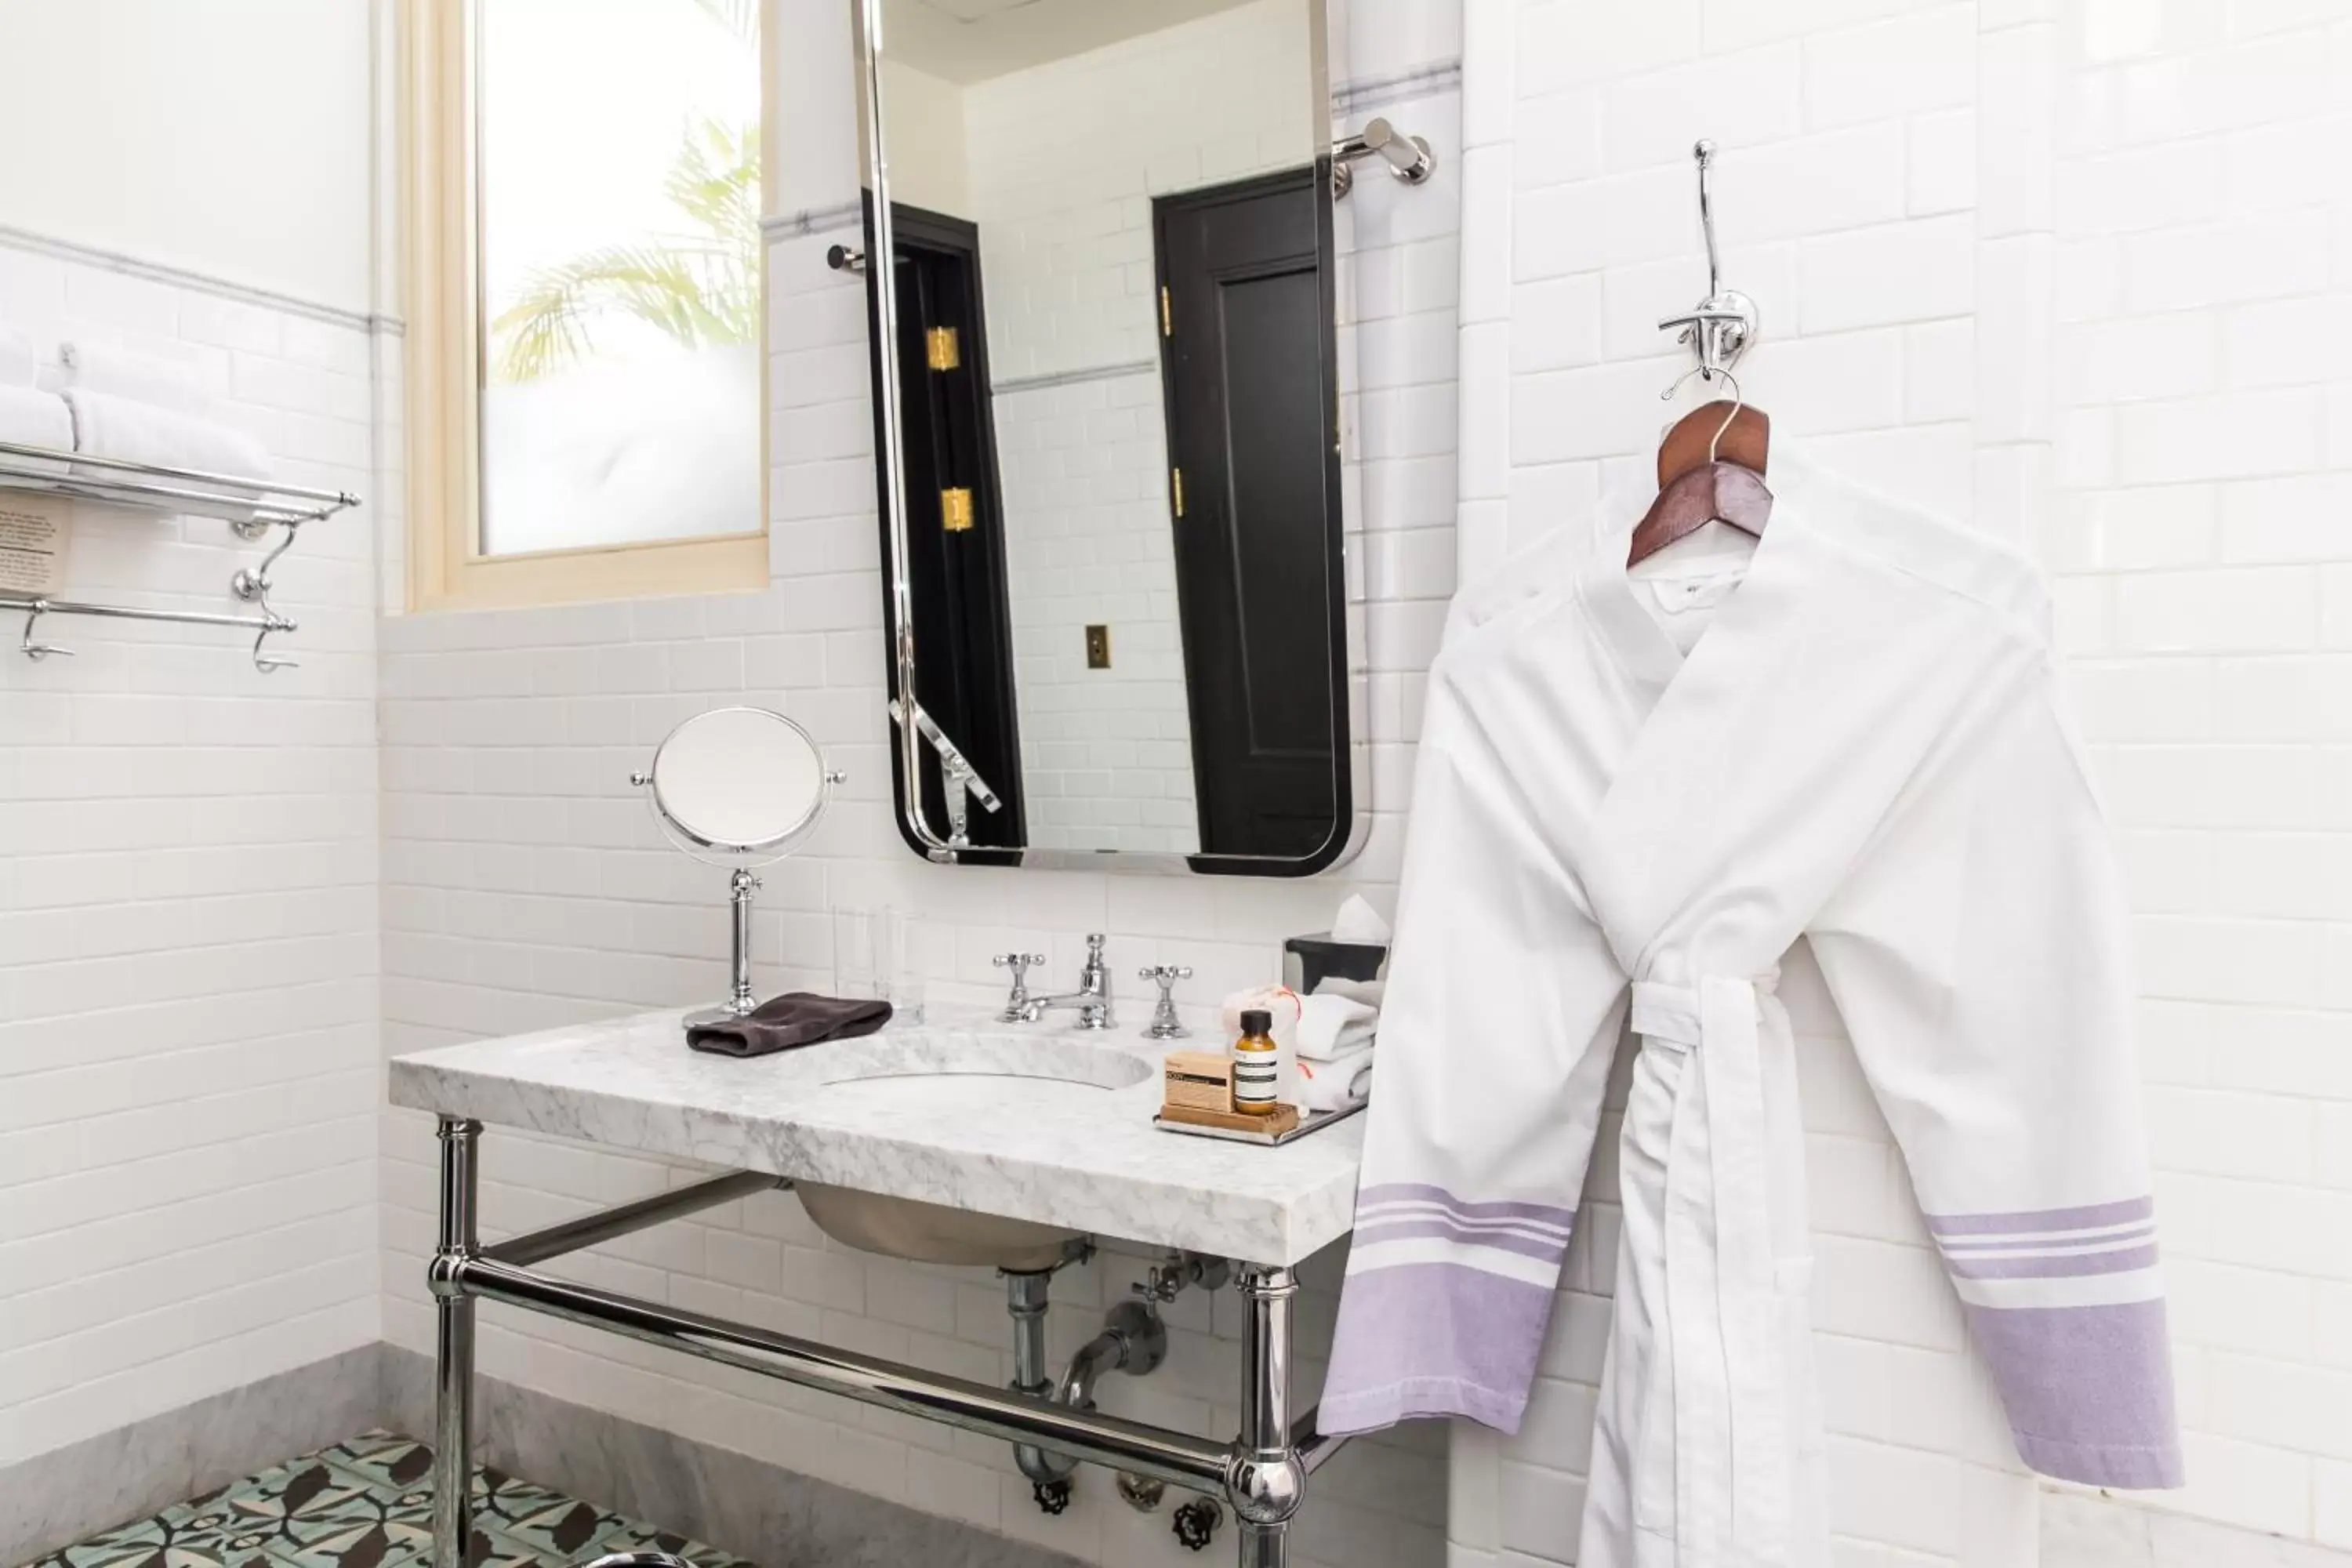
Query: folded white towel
[
  {"x": 1330, "y": 1026},
  {"x": 1368, "y": 992},
  {"x": 109, "y": 427},
  {"x": 20, "y": 363},
  {"x": 1338, "y": 1082},
  {"x": 30, "y": 417},
  {"x": 142, "y": 378}
]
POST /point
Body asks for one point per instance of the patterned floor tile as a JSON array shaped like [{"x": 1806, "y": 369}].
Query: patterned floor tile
[{"x": 368, "y": 1503}]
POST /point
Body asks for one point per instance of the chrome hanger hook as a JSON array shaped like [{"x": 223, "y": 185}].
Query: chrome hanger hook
[
  {"x": 1738, "y": 401},
  {"x": 37, "y": 651}
]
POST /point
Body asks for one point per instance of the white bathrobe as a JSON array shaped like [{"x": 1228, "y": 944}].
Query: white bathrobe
[{"x": 1865, "y": 746}]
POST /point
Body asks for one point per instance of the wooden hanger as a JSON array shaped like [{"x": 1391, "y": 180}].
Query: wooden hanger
[{"x": 1710, "y": 468}]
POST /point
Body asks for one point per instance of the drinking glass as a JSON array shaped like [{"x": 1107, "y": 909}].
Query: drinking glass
[
  {"x": 856, "y": 974},
  {"x": 900, "y": 959}
]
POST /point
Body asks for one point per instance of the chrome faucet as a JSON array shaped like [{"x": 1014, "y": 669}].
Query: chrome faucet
[{"x": 1091, "y": 1000}]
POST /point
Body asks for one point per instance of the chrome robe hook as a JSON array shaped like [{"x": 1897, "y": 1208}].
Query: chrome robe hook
[{"x": 1720, "y": 328}]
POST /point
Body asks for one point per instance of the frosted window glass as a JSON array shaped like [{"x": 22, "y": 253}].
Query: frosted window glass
[{"x": 618, "y": 167}]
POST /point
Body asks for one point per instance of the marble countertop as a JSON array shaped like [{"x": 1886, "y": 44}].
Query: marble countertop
[{"x": 1075, "y": 1149}]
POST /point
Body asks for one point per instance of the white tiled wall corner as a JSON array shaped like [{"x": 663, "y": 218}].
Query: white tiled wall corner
[
  {"x": 2054, "y": 267},
  {"x": 188, "y": 936},
  {"x": 524, "y": 885}
]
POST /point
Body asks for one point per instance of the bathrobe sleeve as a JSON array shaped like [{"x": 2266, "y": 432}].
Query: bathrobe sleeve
[
  {"x": 1978, "y": 956},
  {"x": 1502, "y": 1012}
]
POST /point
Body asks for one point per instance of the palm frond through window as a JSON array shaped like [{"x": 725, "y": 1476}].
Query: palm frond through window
[{"x": 698, "y": 287}]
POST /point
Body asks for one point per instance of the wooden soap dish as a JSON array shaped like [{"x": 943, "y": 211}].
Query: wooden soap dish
[{"x": 1284, "y": 1124}]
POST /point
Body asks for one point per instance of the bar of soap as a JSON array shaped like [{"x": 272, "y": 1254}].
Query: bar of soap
[
  {"x": 1280, "y": 1119},
  {"x": 1199, "y": 1080}
]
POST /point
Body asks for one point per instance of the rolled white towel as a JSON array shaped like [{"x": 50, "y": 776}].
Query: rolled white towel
[
  {"x": 20, "y": 363},
  {"x": 1336, "y": 1082},
  {"x": 30, "y": 417},
  {"x": 1331, "y": 1026},
  {"x": 142, "y": 378},
  {"x": 110, "y": 427}
]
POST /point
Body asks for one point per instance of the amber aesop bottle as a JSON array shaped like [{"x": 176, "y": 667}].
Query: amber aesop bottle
[{"x": 1257, "y": 1065}]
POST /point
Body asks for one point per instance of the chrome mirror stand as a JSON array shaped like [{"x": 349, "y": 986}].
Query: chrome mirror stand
[
  {"x": 740, "y": 1004},
  {"x": 705, "y": 776}
]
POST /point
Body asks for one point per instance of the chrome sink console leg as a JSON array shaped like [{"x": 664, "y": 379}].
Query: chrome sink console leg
[
  {"x": 453, "y": 1308},
  {"x": 1262, "y": 1473},
  {"x": 1265, "y": 1481}
]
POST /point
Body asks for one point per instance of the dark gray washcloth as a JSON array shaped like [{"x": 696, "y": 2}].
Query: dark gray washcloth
[{"x": 783, "y": 1023}]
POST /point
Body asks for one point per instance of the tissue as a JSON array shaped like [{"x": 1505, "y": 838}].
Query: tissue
[{"x": 1359, "y": 921}]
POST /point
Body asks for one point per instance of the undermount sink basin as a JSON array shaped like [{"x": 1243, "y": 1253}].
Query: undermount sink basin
[{"x": 993, "y": 1075}]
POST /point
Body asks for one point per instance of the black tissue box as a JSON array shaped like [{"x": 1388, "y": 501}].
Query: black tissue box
[{"x": 1308, "y": 961}]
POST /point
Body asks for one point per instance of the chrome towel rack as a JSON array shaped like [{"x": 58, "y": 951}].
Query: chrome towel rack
[
  {"x": 262, "y": 626},
  {"x": 251, "y": 507}
]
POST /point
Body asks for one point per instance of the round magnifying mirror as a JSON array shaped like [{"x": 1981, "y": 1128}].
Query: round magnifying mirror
[
  {"x": 739, "y": 784},
  {"x": 739, "y": 787}
]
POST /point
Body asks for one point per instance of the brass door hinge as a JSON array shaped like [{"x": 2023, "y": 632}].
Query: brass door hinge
[
  {"x": 943, "y": 348},
  {"x": 955, "y": 511},
  {"x": 1167, "y": 314},
  {"x": 1177, "y": 477}
]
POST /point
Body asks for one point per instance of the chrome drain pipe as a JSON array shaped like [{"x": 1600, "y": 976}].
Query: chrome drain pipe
[
  {"x": 1026, "y": 1301},
  {"x": 1134, "y": 1340}
]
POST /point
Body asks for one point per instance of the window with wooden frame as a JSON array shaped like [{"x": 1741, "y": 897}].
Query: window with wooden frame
[{"x": 584, "y": 286}]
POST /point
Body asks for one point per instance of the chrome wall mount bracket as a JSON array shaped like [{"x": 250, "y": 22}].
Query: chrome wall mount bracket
[{"x": 1408, "y": 157}]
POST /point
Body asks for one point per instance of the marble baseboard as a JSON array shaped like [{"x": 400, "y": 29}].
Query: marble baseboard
[
  {"x": 70, "y": 1494},
  {"x": 2080, "y": 1531},
  {"x": 735, "y": 1502}
]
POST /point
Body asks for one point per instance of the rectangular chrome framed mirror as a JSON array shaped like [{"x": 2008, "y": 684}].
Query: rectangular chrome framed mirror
[{"x": 1108, "y": 433}]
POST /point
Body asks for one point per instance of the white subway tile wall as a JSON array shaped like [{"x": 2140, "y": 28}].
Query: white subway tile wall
[
  {"x": 188, "y": 928},
  {"x": 524, "y": 885},
  {"x": 2061, "y": 266}
]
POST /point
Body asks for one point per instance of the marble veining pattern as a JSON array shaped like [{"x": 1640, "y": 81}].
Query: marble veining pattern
[{"x": 1085, "y": 1160}]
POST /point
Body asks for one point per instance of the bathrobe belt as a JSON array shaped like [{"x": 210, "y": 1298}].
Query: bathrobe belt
[{"x": 1733, "y": 1489}]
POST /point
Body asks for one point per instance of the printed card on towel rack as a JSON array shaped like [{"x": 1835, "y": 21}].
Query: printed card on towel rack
[{"x": 35, "y": 540}]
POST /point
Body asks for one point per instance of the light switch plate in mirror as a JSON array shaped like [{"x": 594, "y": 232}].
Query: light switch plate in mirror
[{"x": 1121, "y": 217}]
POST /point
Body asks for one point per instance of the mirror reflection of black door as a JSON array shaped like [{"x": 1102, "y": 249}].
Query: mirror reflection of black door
[
  {"x": 1253, "y": 435},
  {"x": 955, "y": 518}
]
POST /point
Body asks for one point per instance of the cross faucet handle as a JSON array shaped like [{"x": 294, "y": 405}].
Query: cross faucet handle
[
  {"x": 1165, "y": 1025},
  {"x": 1017, "y": 1005}
]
